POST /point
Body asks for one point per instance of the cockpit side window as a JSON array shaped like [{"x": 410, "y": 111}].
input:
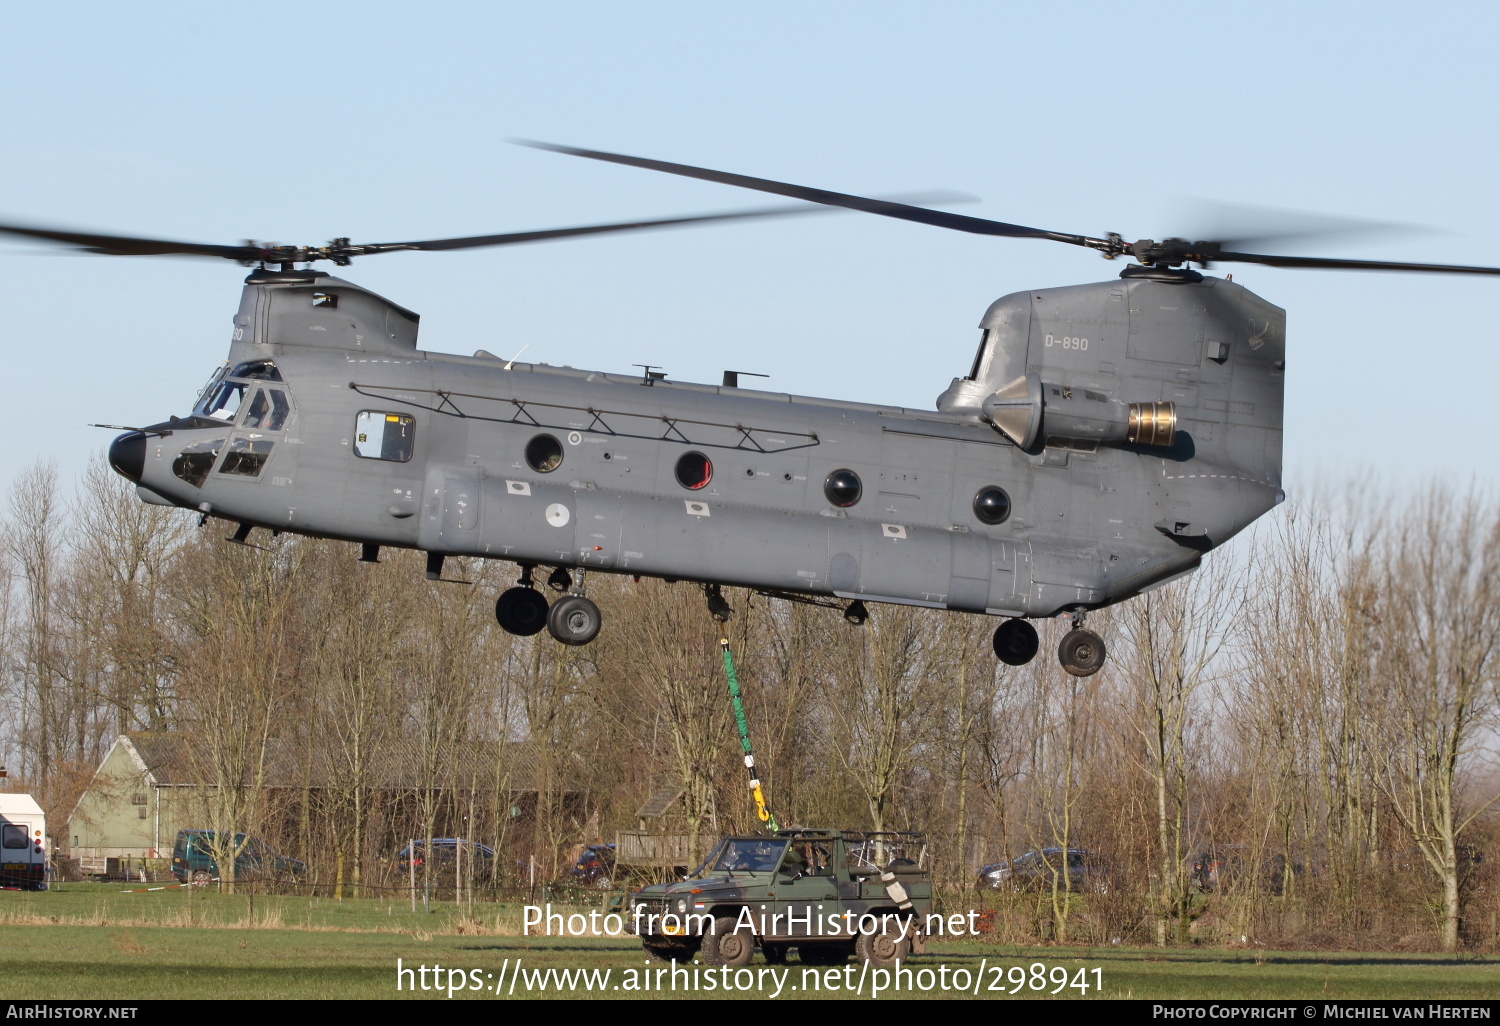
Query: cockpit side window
[
  {"x": 259, "y": 406},
  {"x": 280, "y": 410}
]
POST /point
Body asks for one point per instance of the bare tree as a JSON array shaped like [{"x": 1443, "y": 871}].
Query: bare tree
[
  {"x": 1434, "y": 701},
  {"x": 1174, "y": 636}
]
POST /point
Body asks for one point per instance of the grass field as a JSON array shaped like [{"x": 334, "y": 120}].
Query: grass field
[{"x": 94, "y": 942}]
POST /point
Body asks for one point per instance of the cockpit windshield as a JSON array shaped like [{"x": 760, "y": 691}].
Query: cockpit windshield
[
  {"x": 750, "y": 854},
  {"x": 222, "y": 401},
  {"x": 225, "y": 391}
]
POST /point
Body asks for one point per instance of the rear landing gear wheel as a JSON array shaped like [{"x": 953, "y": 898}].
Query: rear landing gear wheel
[
  {"x": 573, "y": 620},
  {"x": 1016, "y": 642},
  {"x": 1081, "y": 652},
  {"x": 521, "y": 611}
]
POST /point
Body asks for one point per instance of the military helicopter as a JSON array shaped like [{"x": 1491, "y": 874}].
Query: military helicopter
[{"x": 1104, "y": 438}]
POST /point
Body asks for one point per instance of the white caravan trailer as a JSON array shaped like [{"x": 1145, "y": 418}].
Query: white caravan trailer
[{"x": 23, "y": 843}]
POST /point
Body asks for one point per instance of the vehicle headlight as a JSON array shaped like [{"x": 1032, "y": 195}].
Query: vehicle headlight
[{"x": 681, "y": 905}]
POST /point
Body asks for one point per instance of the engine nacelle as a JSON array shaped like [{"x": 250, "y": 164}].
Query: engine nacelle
[{"x": 1028, "y": 409}]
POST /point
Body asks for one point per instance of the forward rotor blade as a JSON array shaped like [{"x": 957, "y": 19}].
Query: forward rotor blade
[
  {"x": 885, "y": 208},
  {"x": 511, "y": 238},
  {"x": 1335, "y": 264},
  {"x": 125, "y": 245}
]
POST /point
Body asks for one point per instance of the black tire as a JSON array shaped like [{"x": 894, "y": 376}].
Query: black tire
[
  {"x": 573, "y": 620},
  {"x": 1081, "y": 653},
  {"x": 201, "y": 877},
  {"x": 824, "y": 954},
  {"x": 775, "y": 953},
  {"x": 1016, "y": 642},
  {"x": 521, "y": 611},
  {"x": 883, "y": 949},
  {"x": 725, "y": 945}
]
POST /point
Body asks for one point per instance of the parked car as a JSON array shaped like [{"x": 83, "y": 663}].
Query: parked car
[
  {"x": 595, "y": 866},
  {"x": 1080, "y": 870},
  {"x": 445, "y": 855},
  {"x": 1227, "y": 866},
  {"x": 193, "y": 859}
]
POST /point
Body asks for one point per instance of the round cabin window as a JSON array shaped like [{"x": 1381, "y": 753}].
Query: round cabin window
[
  {"x": 694, "y": 470},
  {"x": 992, "y": 505},
  {"x": 843, "y": 488},
  {"x": 544, "y": 454}
]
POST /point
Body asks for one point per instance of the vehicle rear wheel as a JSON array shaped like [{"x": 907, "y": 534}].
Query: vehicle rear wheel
[
  {"x": 521, "y": 611},
  {"x": 202, "y": 876},
  {"x": 573, "y": 620},
  {"x": 1016, "y": 642},
  {"x": 726, "y": 945},
  {"x": 1081, "y": 653},
  {"x": 885, "y": 948}
]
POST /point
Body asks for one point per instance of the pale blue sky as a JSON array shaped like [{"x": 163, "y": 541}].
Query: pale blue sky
[{"x": 386, "y": 121}]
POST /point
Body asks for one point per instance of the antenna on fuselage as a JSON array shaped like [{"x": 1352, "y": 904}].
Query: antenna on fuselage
[{"x": 511, "y": 362}]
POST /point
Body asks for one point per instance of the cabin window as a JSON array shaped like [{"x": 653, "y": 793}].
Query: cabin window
[
  {"x": 384, "y": 436},
  {"x": 246, "y": 457},
  {"x": 694, "y": 470},
  {"x": 194, "y": 462},
  {"x": 15, "y": 836},
  {"x": 544, "y": 454},
  {"x": 843, "y": 488}
]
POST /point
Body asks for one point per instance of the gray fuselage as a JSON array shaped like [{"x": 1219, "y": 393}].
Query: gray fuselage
[{"x": 1088, "y": 523}]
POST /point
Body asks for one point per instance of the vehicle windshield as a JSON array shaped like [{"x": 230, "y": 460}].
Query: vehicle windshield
[{"x": 750, "y": 855}]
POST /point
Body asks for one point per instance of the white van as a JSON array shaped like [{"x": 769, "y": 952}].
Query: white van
[{"x": 23, "y": 843}]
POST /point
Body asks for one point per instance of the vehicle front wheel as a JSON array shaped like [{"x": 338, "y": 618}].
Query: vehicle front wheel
[
  {"x": 883, "y": 949},
  {"x": 726, "y": 945}
]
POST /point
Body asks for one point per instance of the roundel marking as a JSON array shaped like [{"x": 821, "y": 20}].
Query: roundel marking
[{"x": 558, "y": 515}]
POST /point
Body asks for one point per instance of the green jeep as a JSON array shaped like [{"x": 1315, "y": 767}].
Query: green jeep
[{"x": 828, "y": 893}]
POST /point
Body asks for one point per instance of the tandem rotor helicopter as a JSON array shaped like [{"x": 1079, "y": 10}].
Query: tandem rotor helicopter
[{"x": 1104, "y": 438}]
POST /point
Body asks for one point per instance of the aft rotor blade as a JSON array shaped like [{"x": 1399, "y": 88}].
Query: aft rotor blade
[
  {"x": 126, "y": 245},
  {"x": 510, "y": 238},
  {"x": 1336, "y": 264},
  {"x": 885, "y": 208}
]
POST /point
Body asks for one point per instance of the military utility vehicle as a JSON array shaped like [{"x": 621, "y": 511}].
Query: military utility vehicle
[{"x": 828, "y": 893}]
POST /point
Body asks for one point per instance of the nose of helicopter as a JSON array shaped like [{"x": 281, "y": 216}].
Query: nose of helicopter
[{"x": 127, "y": 454}]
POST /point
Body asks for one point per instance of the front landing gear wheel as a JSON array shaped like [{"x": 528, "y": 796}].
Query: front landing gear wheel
[
  {"x": 573, "y": 620},
  {"x": 521, "y": 611},
  {"x": 1081, "y": 653},
  {"x": 1016, "y": 642}
]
